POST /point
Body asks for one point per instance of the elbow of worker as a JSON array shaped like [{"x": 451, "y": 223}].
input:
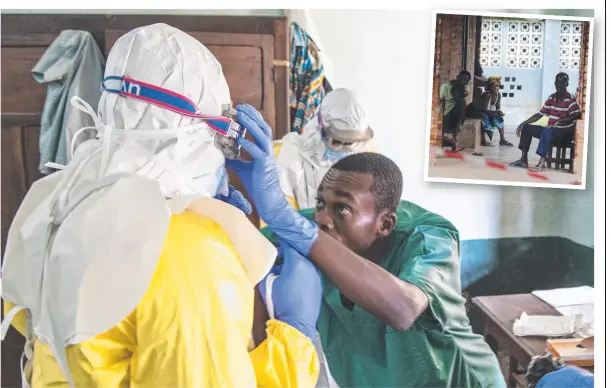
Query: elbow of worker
[
  {"x": 400, "y": 326},
  {"x": 402, "y": 322},
  {"x": 406, "y": 314}
]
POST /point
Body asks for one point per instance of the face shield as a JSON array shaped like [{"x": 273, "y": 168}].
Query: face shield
[
  {"x": 338, "y": 143},
  {"x": 342, "y": 125}
]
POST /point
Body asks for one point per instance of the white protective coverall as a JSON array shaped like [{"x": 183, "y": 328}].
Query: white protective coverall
[
  {"x": 121, "y": 270},
  {"x": 338, "y": 128}
]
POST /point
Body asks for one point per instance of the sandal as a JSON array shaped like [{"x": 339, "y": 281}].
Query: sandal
[
  {"x": 536, "y": 169},
  {"x": 518, "y": 163},
  {"x": 506, "y": 144},
  {"x": 478, "y": 154}
]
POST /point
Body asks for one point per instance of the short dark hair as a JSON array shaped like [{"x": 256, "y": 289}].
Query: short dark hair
[
  {"x": 563, "y": 74},
  {"x": 387, "y": 177},
  {"x": 465, "y": 72}
]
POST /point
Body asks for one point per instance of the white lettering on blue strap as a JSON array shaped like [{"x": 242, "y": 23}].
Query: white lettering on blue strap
[{"x": 131, "y": 88}]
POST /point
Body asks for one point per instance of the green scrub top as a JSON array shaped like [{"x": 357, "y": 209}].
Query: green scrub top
[
  {"x": 446, "y": 98},
  {"x": 440, "y": 349}
]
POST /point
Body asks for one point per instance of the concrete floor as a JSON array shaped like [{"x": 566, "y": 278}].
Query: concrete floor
[{"x": 456, "y": 169}]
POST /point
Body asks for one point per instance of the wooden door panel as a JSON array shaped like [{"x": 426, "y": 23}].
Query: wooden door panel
[
  {"x": 242, "y": 67},
  {"x": 31, "y": 150},
  {"x": 14, "y": 181},
  {"x": 26, "y": 95}
]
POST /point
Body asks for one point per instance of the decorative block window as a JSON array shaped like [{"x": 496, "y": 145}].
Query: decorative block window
[
  {"x": 519, "y": 43},
  {"x": 491, "y": 42},
  {"x": 524, "y": 44},
  {"x": 570, "y": 45}
]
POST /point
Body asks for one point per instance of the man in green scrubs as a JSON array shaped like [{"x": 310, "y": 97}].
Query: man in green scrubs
[{"x": 410, "y": 328}]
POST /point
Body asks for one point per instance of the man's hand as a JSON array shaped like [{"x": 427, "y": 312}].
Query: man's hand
[
  {"x": 562, "y": 123},
  {"x": 235, "y": 198},
  {"x": 260, "y": 177},
  {"x": 519, "y": 130},
  {"x": 295, "y": 296}
]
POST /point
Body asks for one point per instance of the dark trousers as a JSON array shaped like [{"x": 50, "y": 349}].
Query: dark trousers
[
  {"x": 455, "y": 118},
  {"x": 446, "y": 142},
  {"x": 547, "y": 136}
]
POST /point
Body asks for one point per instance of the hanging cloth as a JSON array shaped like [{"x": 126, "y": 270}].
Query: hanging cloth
[
  {"x": 73, "y": 65},
  {"x": 306, "y": 80}
]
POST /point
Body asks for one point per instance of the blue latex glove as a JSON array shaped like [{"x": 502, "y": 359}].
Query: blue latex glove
[
  {"x": 235, "y": 198},
  {"x": 260, "y": 178},
  {"x": 296, "y": 292},
  {"x": 567, "y": 377}
]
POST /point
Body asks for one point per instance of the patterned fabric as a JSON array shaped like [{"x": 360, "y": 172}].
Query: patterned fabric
[
  {"x": 559, "y": 109},
  {"x": 307, "y": 78},
  {"x": 491, "y": 122},
  {"x": 494, "y": 80}
]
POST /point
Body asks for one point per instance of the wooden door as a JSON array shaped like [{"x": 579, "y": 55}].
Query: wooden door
[{"x": 22, "y": 102}]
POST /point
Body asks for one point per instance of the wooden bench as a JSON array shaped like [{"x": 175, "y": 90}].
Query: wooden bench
[{"x": 470, "y": 134}]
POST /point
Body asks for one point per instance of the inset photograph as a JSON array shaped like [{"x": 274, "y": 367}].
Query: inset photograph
[{"x": 509, "y": 99}]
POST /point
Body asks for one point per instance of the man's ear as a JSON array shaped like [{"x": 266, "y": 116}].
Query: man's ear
[{"x": 388, "y": 222}]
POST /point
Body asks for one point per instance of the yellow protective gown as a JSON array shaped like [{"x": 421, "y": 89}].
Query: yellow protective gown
[{"x": 191, "y": 329}]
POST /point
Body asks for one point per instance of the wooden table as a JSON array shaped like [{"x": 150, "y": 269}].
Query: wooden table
[{"x": 499, "y": 313}]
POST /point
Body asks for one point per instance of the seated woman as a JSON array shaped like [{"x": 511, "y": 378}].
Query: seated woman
[{"x": 486, "y": 106}]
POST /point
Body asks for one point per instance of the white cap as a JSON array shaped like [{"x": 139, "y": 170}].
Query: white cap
[
  {"x": 169, "y": 58},
  {"x": 343, "y": 118}
]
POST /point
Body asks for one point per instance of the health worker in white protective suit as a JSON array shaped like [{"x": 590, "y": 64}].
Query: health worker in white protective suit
[
  {"x": 124, "y": 270},
  {"x": 339, "y": 128}
]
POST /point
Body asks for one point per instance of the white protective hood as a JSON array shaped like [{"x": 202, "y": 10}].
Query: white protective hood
[
  {"x": 301, "y": 160},
  {"x": 85, "y": 242}
]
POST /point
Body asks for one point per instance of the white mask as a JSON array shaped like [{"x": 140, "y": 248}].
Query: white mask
[{"x": 189, "y": 163}]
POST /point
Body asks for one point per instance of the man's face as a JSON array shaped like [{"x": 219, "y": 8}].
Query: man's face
[
  {"x": 561, "y": 83},
  {"x": 346, "y": 210},
  {"x": 463, "y": 79}
]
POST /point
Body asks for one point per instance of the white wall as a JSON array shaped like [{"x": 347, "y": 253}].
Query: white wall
[
  {"x": 385, "y": 56},
  {"x": 231, "y": 12}
]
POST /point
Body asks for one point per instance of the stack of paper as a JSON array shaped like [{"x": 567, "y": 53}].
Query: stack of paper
[
  {"x": 544, "y": 325},
  {"x": 567, "y": 296},
  {"x": 577, "y": 301}
]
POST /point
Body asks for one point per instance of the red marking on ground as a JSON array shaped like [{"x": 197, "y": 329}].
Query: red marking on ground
[
  {"x": 493, "y": 164},
  {"x": 536, "y": 175},
  {"x": 454, "y": 155}
]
